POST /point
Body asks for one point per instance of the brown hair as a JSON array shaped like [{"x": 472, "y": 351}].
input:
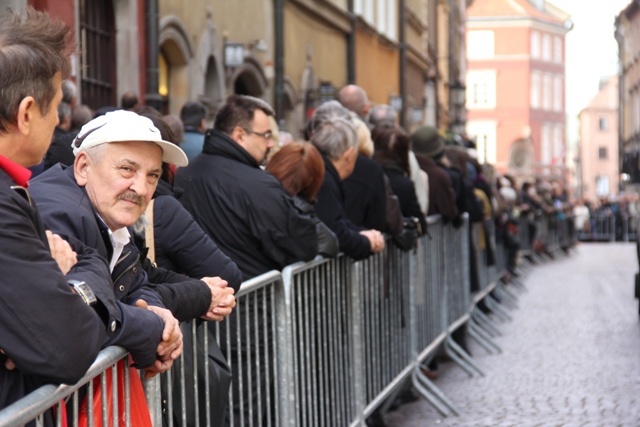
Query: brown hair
[
  {"x": 33, "y": 48},
  {"x": 391, "y": 147},
  {"x": 300, "y": 168}
]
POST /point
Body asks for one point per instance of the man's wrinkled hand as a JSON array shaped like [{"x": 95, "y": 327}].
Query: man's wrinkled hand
[
  {"x": 61, "y": 251},
  {"x": 171, "y": 345},
  {"x": 158, "y": 367},
  {"x": 222, "y": 299}
]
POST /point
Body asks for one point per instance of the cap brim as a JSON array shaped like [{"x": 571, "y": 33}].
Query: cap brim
[{"x": 171, "y": 153}]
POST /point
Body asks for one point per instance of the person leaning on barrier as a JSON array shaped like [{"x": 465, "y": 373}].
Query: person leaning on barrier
[
  {"x": 246, "y": 211},
  {"x": 428, "y": 147},
  {"x": 49, "y": 331},
  {"x": 300, "y": 168},
  {"x": 179, "y": 244},
  {"x": 336, "y": 139},
  {"x": 117, "y": 167}
]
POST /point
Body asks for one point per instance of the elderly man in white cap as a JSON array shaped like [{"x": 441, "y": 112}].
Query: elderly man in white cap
[{"x": 117, "y": 167}]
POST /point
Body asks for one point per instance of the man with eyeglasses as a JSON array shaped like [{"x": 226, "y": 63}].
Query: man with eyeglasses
[
  {"x": 252, "y": 218},
  {"x": 246, "y": 211}
]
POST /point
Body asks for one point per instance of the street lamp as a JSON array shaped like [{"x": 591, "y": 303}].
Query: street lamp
[{"x": 457, "y": 92}]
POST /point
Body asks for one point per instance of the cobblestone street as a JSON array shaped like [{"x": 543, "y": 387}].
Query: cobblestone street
[{"x": 571, "y": 355}]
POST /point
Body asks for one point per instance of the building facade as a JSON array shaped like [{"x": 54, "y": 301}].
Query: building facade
[
  {"x": 292, "y": 53},
  {"x": 598, "y": 154},
  {"x": 515, "y": 85}
]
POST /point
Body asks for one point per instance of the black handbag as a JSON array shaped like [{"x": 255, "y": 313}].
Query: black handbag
[{"x": 407, "y": 238}]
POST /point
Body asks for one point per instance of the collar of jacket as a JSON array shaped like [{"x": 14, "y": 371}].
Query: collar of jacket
[{"x": 220, "y": 144}]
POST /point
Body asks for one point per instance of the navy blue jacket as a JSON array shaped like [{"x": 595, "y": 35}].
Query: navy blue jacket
[{"x": 182, "y": 246}]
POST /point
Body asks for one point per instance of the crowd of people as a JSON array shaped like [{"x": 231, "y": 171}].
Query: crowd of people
[{"x": 145, "y": 222}]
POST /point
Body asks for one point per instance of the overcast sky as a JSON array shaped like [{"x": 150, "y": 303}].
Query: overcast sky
[{"x": 591, "y": 48}]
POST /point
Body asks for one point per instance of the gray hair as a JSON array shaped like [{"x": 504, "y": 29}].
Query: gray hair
[
  {"x": 327, "y": 111},
  {"x": 334, "y": 137}
]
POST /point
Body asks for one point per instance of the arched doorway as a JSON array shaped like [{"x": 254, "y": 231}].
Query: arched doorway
[
  {"x": 173, "y": 64},
  {"x": 249, "y": 79}
]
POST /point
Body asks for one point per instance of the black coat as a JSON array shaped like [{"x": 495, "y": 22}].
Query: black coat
[
  {"x": 182, "y": 246},
  {"x": 404, "y": 189},
  {"x": 244, "y": 209},
  {"x": 364, "y": 193},
  {"x": 50, "y": 334},
  {"x": 330, "y": 209}
]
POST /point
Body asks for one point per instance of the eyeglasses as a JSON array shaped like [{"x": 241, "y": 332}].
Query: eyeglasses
[{"x": 266, "y": 135}]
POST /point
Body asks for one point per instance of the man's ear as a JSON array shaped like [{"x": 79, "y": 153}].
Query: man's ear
[
  {"x": 80, "y": 166},
  {"x": 237, "y": 134},
  {"x": 26, "y": 112}
]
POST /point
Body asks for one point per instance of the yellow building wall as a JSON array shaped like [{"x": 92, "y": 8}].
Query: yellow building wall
[
  {"x": 310, "y": 41},
  {"x": 377, "y": 67}
]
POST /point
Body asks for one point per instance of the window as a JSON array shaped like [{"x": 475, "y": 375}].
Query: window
[
  {"x": 545, "y": 144},
  {"x": 481, "y": 89},
  {"x": 381, "y": 14},
  {"x": 535, "y": 89},
  {"x": 546, "y": 92},
  {"x": 602, "y": 185},
  {"x": 97, "y": 41},
  {"x": 535, "y": 45},
  {"x": 602, "y": 153},
  {"x": 480, "y": 45},
  {"x": 484, "y": 133},
  {"x": 557, "y": 49},
  {"x": 603, "y": 124},
  {"x": 546, "y": 47},
  {"x": 557, "y": 93}
]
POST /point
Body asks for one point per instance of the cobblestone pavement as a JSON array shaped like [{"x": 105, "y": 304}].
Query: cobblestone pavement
[{"x": 571, "y": 355}]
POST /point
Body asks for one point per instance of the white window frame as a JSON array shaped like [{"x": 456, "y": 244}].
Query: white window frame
[
  {"x": 535, "y": 45},
  {"x": 485, "y": 134},
  {"x": 546, "y": 47},
  {"x": 481, "y": 89},
  {"x": 557, "y": 49},
  {"x": 480, "y": 44},
  {"x": 536, "y": 83},
  {"x": 546, "y": 92},
  {"x": 557, "y": 93}
]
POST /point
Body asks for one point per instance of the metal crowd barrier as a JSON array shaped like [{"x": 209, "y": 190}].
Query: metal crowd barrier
[{"x": 325, "y": 343}]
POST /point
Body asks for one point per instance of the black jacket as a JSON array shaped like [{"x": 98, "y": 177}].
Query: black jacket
[
  {"x": 328, "y": 245},
  {"x": 182, "y": 246},
  {"x": 364, "y": 194},
  {"x": 330, "y": 209},
  {"x": 50, "y": 334},
  {"x": 405, "y": 190},
  {"x": 244, "y": 209}
]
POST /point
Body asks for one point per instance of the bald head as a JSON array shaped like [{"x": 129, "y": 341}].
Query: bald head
[{"x": 355, "y": 99}]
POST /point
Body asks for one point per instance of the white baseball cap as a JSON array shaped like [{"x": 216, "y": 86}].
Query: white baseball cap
[{"x": 123, "y": 125}]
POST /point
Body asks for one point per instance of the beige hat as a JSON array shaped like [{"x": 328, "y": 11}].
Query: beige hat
[{"x": 121, "y": 126}]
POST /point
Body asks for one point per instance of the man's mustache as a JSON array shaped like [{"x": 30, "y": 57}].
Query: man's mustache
[{"x": 131, "y": 197}]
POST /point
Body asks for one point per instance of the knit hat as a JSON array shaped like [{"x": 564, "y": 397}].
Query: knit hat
[{"x": 426, "y": 140}]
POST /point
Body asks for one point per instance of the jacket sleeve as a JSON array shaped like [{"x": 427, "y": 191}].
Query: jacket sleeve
[
  {"x": 331, "y": 211},
  {"x": 186, "y": 298},
  {"x": 45, "y": 328},
  {"x": 139, "y": 331},
  {"x": 285, "y": 235},
  {"x": 182, "y": 242}
]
